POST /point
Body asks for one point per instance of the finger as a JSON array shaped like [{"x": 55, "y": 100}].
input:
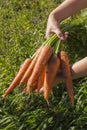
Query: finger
[
  {"x": 66, "y": 35},
  {"x": 60, "y": 34}
]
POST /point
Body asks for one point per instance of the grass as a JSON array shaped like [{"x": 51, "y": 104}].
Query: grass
[{"x": 23, "y": 25}]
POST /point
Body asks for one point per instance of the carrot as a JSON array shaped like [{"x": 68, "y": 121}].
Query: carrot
[
  {"x": 41, "y": 61},
  {"x": 41, "y": 80},
  {"x": 28, "y": 90},
  {"x": 18, "y": 77},
  {"x": 30, "y": 68},
  {"x": 65, "y": 67},
  {"x": 50, "y": 75}
]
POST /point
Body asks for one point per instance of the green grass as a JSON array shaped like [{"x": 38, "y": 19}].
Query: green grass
[{"x": 22, "y": 31}]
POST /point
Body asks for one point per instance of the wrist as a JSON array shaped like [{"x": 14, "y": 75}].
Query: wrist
[{"x": 54, "y": 16}]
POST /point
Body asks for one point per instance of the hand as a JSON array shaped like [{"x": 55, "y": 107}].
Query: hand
[
  {"x": 53, "y": 26},
  {"x": 63, "y": 11}
]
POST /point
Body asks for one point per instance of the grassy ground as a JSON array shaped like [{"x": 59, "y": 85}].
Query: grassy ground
[{"x": 22, "y": 31}]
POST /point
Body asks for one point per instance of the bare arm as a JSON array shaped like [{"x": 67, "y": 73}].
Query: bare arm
[
  {"x": 63, "y": 11},
  {"x": 78, "y": 69},
  {"x": 68, "y": 8}
]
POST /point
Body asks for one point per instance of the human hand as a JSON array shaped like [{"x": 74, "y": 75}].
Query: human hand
[{"x": 53, "y": 26}]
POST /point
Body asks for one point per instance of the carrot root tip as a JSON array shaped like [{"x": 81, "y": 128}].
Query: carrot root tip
[{"x": 48, "y": 103}]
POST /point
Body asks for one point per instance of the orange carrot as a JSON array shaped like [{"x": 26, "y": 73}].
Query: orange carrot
[
  {"x": 31, "y": 67},
  {"x": 41, "y": 61},
  {"x": 65, "y": 67},
  {"x": 41, "y": 80},
  {"x": 18, "y": 77},
  {"x": 28, "y": 90},
  {"x": 50, "y": 75}
]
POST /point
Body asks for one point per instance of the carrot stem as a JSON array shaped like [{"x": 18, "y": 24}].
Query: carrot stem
[
  {"x": 58, "y": 46},
  {"x": 51, "y": 40}
]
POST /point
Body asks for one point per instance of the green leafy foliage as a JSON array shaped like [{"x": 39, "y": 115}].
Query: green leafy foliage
[{"x": 22, "y": 25}]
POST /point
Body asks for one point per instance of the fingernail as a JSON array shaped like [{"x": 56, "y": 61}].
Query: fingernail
[{"x": 62, "y": 38}]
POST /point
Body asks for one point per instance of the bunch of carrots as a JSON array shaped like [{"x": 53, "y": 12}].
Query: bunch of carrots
[{"x": 41, "y": 70}]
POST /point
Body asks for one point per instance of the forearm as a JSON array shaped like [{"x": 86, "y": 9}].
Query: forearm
[
  {"x": 68, "y": 8},
  {"x": 79, "y": 69}
]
